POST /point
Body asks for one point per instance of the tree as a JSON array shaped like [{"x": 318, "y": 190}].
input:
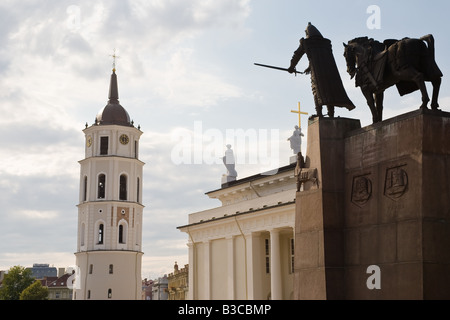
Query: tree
[
  {"x": 35, "y": 292},
  {"x": 16, "y": 280}
]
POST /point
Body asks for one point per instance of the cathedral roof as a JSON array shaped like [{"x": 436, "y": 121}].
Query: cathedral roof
[{"x": 113, "y": 113}]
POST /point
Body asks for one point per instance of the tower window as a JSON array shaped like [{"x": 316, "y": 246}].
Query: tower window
[
  {"x": 101, "y": 186},
  {"x": 136, "y": 154},
  {"x": 85, "y": 188},
  {"x": 109, "y": 293},
  {"x": 104, "y": 141},
  {"x": 122, "y": 234},
  {"x": 91, "y": 268},
  {"x": 123, "y": 187},
  {"x": 111, "y": 269},
  {"x": 100, "y": 234},
  {"x": 138, "y": 189}
]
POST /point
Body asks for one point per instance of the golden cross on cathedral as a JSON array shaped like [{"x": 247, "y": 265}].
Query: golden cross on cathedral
[
  {"x": 114, "y": 56},
  {"x": 299, "y": 115}
]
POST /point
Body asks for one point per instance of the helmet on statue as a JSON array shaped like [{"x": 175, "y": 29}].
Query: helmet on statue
[{"x": 312, "y": 32}]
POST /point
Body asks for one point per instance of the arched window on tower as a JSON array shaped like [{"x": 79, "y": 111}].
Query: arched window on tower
[
  {"x": 122, "y": 233},
  {"x": 109, "y": 293},
  {"x": 100, "y": 234},
  {"x": 101, "y": 186},
  {"x": 123, "y": 187}
]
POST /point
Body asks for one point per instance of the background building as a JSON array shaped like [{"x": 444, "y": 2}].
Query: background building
[
  {"x": 147, "y": 289},
  {"x": 159, "y": 288},
  {"x": 42, "y": 270},
  {"x": 178, "y": 283},
  {"x": 60, "y": 288}
]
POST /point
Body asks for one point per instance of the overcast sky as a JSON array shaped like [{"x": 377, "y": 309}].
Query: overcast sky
[{"x": 186, "y": 76}]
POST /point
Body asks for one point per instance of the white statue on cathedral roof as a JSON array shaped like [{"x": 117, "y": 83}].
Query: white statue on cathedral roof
[{"x": 296, "y": 140}]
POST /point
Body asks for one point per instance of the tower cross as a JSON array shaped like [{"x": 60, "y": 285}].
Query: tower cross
[
  {"x": 299, "y": 115},
  {"x": 114, "y": 56}
]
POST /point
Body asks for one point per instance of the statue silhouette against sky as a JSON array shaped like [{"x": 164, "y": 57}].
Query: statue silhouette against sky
[
  {"x": 326, "y": 82},
  {"x": 229, "y": 162}
]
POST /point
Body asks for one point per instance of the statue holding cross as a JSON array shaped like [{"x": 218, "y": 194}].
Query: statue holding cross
[{"x": 296, "y": 140}]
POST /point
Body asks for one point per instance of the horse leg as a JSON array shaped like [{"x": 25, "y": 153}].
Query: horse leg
[
  {"x": 371, "y": 103},
  {"x": 417, "y": 77},
  {"x": 423, "y": 89},
  {"x": 434, "y": 100},
  {"x": 379, "y": 97}
]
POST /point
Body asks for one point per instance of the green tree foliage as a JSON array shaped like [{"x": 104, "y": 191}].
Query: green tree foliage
[
  {"x": 16, "y": 280},
  {"x": 35, "y": 292}
]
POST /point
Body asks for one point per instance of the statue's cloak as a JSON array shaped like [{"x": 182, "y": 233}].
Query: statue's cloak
[{"x": 326, "y": 82}]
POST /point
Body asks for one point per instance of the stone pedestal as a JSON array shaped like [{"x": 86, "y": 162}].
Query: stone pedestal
[
  {"x": 319, "y": 241},
  {"x": 382, "y": 199}
]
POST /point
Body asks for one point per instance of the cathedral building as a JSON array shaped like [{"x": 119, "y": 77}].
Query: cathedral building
[
  {"x": 244, "y": 249},
  {"x": 110, "y": 210}
]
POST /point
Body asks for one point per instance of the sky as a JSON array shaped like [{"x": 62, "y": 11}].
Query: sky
[{"x": 186, "y": 75}]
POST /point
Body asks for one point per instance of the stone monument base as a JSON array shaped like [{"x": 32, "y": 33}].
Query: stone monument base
[{"x": 377, "y": 223}]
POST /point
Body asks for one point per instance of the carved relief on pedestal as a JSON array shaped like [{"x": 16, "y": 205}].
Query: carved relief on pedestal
[
  {"x": 361, "y": 190},
  {"x": 306, "y": 175},
  {"x": 396, "y": 182}
]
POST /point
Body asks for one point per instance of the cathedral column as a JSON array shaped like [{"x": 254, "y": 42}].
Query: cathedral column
[
  {"x": 230, "y": 267},
  {"x": 254, "y": 271},
  {"x": 275, "y": 262},
  {"x": 191, "y": 276},
  {"x": 249, "y": 267},
  {"x": 207, "y": 262}
]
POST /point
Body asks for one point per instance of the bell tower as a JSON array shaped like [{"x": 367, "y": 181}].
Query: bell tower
[{"x": 110, "y": 211}]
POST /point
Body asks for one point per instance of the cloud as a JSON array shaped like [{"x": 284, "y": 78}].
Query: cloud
[{"x": 36, "y": 214}]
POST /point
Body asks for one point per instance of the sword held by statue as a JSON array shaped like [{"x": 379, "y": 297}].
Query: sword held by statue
[{"x": 277, "y": 68}]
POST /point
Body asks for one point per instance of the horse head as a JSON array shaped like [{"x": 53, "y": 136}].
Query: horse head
[{"x": 356, "y": 53}]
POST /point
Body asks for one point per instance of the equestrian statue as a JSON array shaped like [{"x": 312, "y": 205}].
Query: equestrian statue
[{"x": 406, "y": 63}]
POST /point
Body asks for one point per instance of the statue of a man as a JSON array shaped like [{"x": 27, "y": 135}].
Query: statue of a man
[
  {"x": 296, "y": 140},
  {"x": 326, "y": 82},
  {"x": 229, "y": 162}
]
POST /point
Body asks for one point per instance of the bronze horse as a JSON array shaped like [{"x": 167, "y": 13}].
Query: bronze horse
[{"x": 406, "y": 63}]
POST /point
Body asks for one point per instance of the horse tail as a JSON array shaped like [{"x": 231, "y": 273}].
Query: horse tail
[
  {"x": 433, "y": 70},
  {"x": 429, "y": 39}
]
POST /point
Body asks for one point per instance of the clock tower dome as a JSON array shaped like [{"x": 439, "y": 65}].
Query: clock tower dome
[{"x": 110, "y": 210}]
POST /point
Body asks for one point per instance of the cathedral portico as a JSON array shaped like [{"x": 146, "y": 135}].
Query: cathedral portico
[{"x": 244, "y": 249}]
